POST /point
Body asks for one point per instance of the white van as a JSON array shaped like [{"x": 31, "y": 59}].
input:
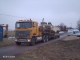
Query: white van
[{"x": 72, "y": 32}]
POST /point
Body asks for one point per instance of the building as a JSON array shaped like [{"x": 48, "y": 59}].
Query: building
[{"x": 68, "y": 28}]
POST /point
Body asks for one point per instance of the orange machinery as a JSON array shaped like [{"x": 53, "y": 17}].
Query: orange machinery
[{"x": 6, "y": 31}]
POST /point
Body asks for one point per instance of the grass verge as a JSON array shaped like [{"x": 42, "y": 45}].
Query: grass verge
[
  {"x": 6, "y": 42},
  {"x": 60, "y": 50}
]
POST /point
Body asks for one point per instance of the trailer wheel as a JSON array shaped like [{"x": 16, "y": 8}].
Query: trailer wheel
[
  {"x": 18, "y": 43},
  {"x": 58, "y": 36},
  {"x": 55, "y": 37},
  {"x": 33, "y": 41},
  {"x": 47, "y": 38},
  {"x": 44, "y": 38}
]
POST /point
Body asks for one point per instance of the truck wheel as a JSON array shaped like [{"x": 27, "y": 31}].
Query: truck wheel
[
  {"x": 43, "y": 38},
  {"x": 57, "y": 37},
  {"x": 32, "y": 43},
  {"x": 18, "y": 43},
  {"x": 47, "y": 39}
]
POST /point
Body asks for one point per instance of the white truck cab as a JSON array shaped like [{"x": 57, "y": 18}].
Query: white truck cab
[{"x": 72, "y": 32}]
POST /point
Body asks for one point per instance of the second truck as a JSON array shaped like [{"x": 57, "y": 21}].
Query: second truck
[{"x": 28, "y": 31}]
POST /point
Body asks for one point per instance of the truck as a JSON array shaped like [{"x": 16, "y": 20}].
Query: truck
[{"x": 28, "y": 31}]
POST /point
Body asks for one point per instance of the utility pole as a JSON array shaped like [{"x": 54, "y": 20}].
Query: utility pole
[{"x": 71, "y": 25}]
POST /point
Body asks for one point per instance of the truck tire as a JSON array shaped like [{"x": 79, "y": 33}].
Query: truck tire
[
  {"x": 47, "y": 38},
  {"x": 44, "y": 38},
  {"x": 18, "y": 43},
  {"x": 33, "y": 41},
  {"x": 55, "y": 37}
]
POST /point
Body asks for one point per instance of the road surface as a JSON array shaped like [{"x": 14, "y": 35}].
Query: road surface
[{"x": 15, "y": 50}]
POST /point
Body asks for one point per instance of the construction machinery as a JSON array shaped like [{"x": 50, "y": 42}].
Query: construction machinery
[
  {"x": 6, "y": 31},
  {"x": 28, "y": 31},
  {"x": 48, "y": 27}
]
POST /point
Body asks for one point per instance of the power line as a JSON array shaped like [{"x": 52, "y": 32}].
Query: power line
[
  {"x": 12, "y": 16},
  {"x": 19, "y": 17}
]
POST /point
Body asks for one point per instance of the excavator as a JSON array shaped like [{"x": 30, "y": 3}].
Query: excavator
[
  {"x": 6, "y": 31},
  {"x": 48, "y": 27}
]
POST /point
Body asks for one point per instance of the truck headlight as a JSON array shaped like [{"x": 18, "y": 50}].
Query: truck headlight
[{"x": 29, "y": 40}]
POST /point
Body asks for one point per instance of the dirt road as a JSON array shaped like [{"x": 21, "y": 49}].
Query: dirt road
[{"x": 14, "y": 50}]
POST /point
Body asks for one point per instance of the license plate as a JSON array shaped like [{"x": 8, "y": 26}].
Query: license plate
[{"x": 22, "y": 40}]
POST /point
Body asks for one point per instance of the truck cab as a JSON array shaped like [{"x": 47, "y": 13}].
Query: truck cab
[{"x": 25, "y": 30}]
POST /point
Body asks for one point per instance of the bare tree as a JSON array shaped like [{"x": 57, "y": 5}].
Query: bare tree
[
  {"x": 65, "y": 28},
  {"x": 62, "y": 26},
  {"x": 78, "y": 24}
]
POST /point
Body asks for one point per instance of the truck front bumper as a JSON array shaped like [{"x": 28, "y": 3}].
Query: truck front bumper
[{"x": 23, "y": 40}]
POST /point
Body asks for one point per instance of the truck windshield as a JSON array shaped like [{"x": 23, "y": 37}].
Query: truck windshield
[{"x": 23, "y": 25}]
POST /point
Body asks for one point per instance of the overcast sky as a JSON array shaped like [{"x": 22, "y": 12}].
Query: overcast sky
[{"x": 55, "y": 11}]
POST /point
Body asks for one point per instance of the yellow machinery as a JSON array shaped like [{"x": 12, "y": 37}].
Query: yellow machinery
[{"x": 27, "y": 26}]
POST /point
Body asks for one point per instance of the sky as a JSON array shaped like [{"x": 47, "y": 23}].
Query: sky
[{"x": 54, "y": 11}]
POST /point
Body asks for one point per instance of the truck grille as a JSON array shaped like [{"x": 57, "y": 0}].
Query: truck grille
[{"x": 23, "y": 34}]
